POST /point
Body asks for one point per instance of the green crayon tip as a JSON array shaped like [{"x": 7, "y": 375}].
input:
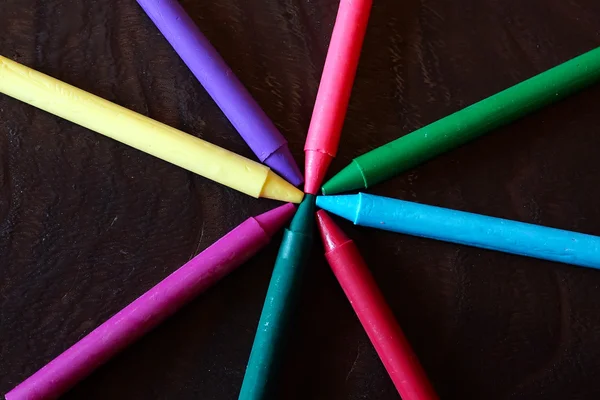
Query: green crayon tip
[
  {"x": 467, "y": 124},
  {"x": 350, "y": 178},
  {"x": 304, "y": 220},
  {"x": 282, "y": 295}
]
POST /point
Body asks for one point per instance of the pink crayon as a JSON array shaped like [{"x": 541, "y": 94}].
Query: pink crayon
[{"x": 152, "y": 307}]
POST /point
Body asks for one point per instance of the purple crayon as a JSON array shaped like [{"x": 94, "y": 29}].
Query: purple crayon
[
  {"x": 151, "y": 308},
  {"x": 226, "y": 90}
]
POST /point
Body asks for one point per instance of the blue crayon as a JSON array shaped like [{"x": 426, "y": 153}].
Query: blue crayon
[{"x": 466, "y": 228}]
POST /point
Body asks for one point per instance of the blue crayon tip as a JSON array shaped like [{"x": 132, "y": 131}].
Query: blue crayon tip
[{"x": 346, "y": 206}]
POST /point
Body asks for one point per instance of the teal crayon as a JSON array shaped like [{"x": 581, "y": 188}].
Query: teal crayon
[
  {"x": 279, "y": 303},
  {"x": 466, "y": 228}
]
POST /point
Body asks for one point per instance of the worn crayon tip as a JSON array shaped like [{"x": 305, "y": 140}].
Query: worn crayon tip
[
  {"x": 349, "y": 178},
  {"x": 331, "y": 234},
  {"x": 304, "y": 221},
  {"x": 316, "y": 165},
  {"x": 272, "y": 221},
  {"x": 277, "y": 188},
  {"x": 346, "y": 206},
  {"x": 282, "y": 162}
]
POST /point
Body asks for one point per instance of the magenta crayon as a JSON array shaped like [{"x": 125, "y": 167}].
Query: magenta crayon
[
  {"x": 152, "y": 307},
  {"x": 227, "y": 91}
]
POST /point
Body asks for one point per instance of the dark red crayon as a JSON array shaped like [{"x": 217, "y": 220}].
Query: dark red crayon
[{"x": 373, "y": 312}]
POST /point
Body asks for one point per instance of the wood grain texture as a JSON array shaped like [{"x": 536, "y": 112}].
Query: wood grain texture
[{"x": 88, "y": 224}]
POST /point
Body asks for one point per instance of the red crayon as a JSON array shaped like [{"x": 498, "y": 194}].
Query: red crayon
[
  {"x": 334, "y": 90},
  {"x": 374, "y": 313}
]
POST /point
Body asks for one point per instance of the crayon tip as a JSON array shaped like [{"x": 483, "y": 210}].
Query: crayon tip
[
  {"x": 282, "y": 162},
  {"x": 346, "y": 206},
  {"x": 304, "y": 222},
  {"x": 277, "y": 188},
  {"x": 272, "y": 221},
  {"x": 316, "y": 165},
  {"x": 331, "y": 234},
  {"x": 349, "y": 178}
]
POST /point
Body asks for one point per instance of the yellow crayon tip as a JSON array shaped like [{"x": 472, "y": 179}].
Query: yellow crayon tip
[{"x": 277, "y": 188}]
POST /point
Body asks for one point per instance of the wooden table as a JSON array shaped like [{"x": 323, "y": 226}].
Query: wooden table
[{"x": 88, "y": 224}]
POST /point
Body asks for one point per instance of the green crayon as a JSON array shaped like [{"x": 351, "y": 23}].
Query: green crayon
[
  {"x": 279, "y": 303},
  {"x": 467, "y": 124}
]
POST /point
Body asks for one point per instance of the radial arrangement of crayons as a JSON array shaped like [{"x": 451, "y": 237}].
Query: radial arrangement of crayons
[{"x": 276, "y": 175}]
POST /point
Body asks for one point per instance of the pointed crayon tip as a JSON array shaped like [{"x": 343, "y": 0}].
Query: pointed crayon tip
[
  {"x": 345, "y": 206},
  {"x": 277, "y": 188},
  {"x": 304, "y": 221},
  {"x": 350, "y": 178},
  {"x": 272, "y": 221},
  {"x": 282, "y": 162},
  {"x": 331, "y": 234},
  {"x": 316, "y": 165}
]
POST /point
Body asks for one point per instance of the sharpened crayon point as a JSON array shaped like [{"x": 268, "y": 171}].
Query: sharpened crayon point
[
  {"x": 272, "y": 221},
  {"x": 332, "y": 235},
  {"x": 282, "y": 162},
  {"x": 316, "y": 165},
  {"x": 304, "y": 222},
  {"x": 345, "y": 206},
  {"x": 349, "y": 178},
  {"x": 277, "y": 188}
]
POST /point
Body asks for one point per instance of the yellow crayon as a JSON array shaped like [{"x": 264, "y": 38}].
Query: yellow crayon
[{"x": 143, "y": 133}]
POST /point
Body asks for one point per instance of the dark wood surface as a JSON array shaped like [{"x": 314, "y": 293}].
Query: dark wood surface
[{"x": 88, "y": 224}]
